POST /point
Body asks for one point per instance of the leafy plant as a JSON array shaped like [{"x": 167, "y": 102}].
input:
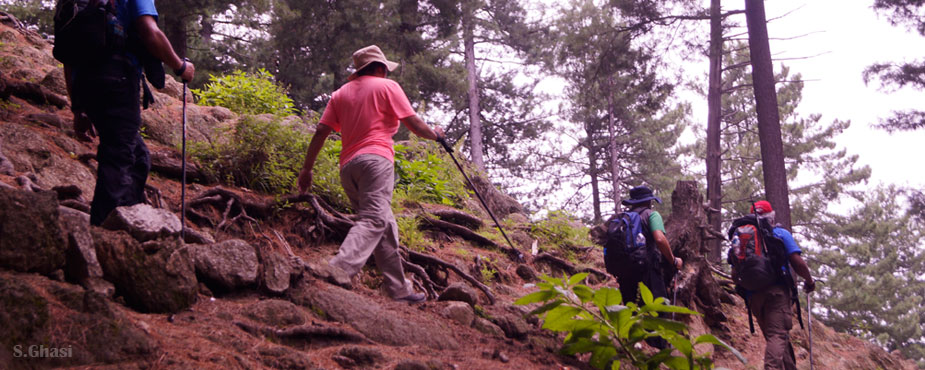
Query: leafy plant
[
  {"x": 261, "y": 155},
  {"x": 423, "y": 175},
  {"x": 246, "y": 93},
  {"x": 600, "y": 323},
  {"x": 487, "y": 271},
  {"x": 409, "y": 233},
  {"x": 559, "y": 230}
]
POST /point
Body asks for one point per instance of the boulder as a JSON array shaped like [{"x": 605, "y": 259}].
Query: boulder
[
  {"x": 460, "y": 312},
  {"x": 487, "y": 327},
  {"x": 162, "y": 281},
  {"x": 526, "y": 272},
  {"x": 226, "y": 266},
  {"x": 281, "y": 357},
  {"x": 276, "y": 273},
  {"x": 358, "y": 356},
  {"x": 459, "y": 292},
  {"x": 143, "y": 222},
  {"x": 81, "y": 263},
  {"x": 54, "y": 81},
  {"x": 30, "y": 235},
  {"x": 370, "y": 318},
  {"x": 276, "y": 313},
  {"x": 513, "y": 326}
]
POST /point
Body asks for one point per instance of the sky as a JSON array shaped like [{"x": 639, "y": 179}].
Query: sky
[{"x": 842, "y": 39}]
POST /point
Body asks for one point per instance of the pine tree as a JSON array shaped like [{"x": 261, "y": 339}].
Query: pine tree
[
  {"x": 873, "y": 262},
  {"x": 910, "y": 13}
]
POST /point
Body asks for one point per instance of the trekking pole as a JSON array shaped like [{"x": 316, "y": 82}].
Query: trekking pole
[
  {"x": 809, "y": 319},
  {"x": 183, "y": 169},
  {"x": 449, "y": 150}
]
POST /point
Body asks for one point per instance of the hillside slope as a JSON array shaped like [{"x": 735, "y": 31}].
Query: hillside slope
[{"x": 250, "y": 292}]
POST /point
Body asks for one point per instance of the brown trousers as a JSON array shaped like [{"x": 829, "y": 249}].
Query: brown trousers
[
  {"x": 771, "y": 308},
  {"x": 368, "y": 180}
]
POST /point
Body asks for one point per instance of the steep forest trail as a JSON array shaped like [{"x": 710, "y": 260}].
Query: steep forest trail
[{"x": 274, "y": 307}]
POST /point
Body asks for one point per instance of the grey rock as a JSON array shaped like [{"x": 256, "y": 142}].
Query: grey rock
[
  {"x": 487, "y": 327},
  {"x": 280, "y": 357},
  {"x": 526, "y": 272},
  {"x": 162, "y": 281},
  {"x": 459, "y": 292},
  {"x": 100, "y": 286},
  {"x": 415, "y": 365},
  {"x": 275, "y": 312},
  {"x": 513, "y": 326},
  {"x": 193, "y": 236},
  {"x": 226, "y": 266},
  {"x": 277, "y": 273},
  {"x": 30, "y": 234},
  {"x": 460, "y": 312},
  {"x": 370, "y": 318},
  {"x": 362, "y": 356},
  {"x": 143, "y": 222},
  {"x": 331, "y": 274},
  {"x": 81, "y": 263}
]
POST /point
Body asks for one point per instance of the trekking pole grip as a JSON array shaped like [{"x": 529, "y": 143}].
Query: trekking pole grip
[{"x": 446, "y": 146}]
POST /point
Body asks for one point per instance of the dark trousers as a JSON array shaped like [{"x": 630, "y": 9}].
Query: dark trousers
[
  {"x": 109, "y": 94},
  {"x": 629, "y": 289}
]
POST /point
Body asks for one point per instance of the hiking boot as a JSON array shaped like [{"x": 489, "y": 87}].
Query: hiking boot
[{"x": 412, "y": 298}]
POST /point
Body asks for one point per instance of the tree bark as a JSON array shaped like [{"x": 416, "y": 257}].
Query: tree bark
[
  {"x": 769, "y": 134},
  {"x": 592, "y": 171},
  {"x": 714, "y": 114},
  {"x": 475, "y": 123},
  {"x": 614, "y": 156},
  {"x": 175, "y": 30}
]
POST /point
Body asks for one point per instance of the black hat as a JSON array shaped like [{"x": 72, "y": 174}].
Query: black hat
[{"x": 640, "y": 194}]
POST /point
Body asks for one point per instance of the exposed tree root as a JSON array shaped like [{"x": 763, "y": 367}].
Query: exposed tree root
[
  {"x": 76, "y": 204},
  {"x": 458, "y": 217},
  {"x": 568, "y": 267},
  {"x": 421, "y": 278},
  {"x": 31, "y": 92},
  {"x": 154, "y": 195},
  {"x": 305, "y": 333},
  {"x": 425, "y": 259},
  {"x": 235, "y": 208},
  {"x": 27, "y": 184},
  {"x": 169, "y": 163}
]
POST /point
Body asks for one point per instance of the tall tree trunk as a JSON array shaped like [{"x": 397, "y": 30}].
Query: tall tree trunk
[
  {"x": 475, "y": 124},
  {"x": 714, "y": 103},
  {"x": 595, "y": 188},
  {"x": 769, "y": 134},
  {"x": 614, "y": 157}
]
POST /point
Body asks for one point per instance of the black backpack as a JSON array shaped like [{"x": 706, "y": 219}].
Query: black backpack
[
  {"x": 87, "y": 31},
  {"x": 627, "y": 247},
  {"x": 758, "y": 258}
]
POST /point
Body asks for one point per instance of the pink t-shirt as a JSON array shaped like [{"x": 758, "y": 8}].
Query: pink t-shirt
[{"x": 366, "y": 112}]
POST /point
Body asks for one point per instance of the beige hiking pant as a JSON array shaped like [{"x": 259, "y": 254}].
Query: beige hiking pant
[
  {"x": 771, "y": 308},
  {"x": 368, "y": 180}
]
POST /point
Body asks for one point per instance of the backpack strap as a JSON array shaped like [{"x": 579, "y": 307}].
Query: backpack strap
[{"x": 748, "y": 308}]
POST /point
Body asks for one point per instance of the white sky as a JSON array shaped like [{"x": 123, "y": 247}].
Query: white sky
[{"x": 852, "y": 37}]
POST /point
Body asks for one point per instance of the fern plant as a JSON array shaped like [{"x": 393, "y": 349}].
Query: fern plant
[
  {"x": 246, "y": 93},
  {"x": 600, "y": 323}
]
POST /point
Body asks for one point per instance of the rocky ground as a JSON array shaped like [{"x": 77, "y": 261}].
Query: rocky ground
[{"x": 249, "y": 289}]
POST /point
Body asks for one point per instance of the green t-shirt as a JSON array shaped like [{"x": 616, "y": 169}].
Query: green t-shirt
[{"x": 655, "y": 222}]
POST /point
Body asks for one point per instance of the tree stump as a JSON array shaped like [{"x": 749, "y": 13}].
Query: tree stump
[{"x": 687, "y": 230}]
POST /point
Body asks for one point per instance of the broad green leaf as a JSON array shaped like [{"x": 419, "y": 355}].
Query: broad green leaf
[
  {"x": 583, "y": 292},
  {"x": 654, "y": 307},
  {"x": 546, "y": 307},
  {"x": 615, "y": 365},
  {"x": 601, "y": 355},
  {"x": 653, "y": 323},
  {"x": 709, "y": 338},
  {"x": 645, "y": 293},
  {"x": 677, "y": 363},
  {"x": 582, "y": 345},
  {"x": 561, "y": 318},
  {"x": 551, "y": 280},
  {"x": 540, "y": 296},
  {"x": 577, "y": 278},
  {"x": 607, "y": 297},
  {"x": 681, "y": 343}
]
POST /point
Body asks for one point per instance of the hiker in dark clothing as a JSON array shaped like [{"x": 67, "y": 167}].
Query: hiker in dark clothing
[
  {"x": 772, "y": 305},
  {"x": 640, "y": 201},
  {"x": 106, "y": 93}
]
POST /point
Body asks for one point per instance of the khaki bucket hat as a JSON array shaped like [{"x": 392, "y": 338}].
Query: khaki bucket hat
[{"x": 367, "y": 55}]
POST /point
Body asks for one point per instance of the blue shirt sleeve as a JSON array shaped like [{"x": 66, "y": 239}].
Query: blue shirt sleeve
[
  {"x": 789, "y": 243},
  {"x": 138, "y": 8}
]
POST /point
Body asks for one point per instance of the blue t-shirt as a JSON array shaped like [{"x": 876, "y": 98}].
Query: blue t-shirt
[
  {"x": 128, "y": 12},
  {"x": 789, "y": 243}
]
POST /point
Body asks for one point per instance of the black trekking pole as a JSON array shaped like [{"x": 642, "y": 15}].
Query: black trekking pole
[
  {"x": 449, "y": 150},
  {"x": 809, "y": 319},
  {"x": 183, "y": 169}
]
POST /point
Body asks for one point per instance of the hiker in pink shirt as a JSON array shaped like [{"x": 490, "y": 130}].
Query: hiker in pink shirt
[{"x": 366, "y": 111}]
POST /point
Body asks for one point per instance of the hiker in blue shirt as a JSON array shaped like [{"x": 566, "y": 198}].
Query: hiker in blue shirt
[{"x": 105, "y": 96}]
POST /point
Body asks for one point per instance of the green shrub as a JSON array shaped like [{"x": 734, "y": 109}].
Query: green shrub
[
  {"x": 246, "y": 93},
  {"x": 423, "y": 175},
  {"x": 409, "y": 233},
  {"x": 261, "y": 155},
  {"x": 600, "y": 323},
  {"x": 326, "y": 176},
  {"x": 562, "y": 232}
]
